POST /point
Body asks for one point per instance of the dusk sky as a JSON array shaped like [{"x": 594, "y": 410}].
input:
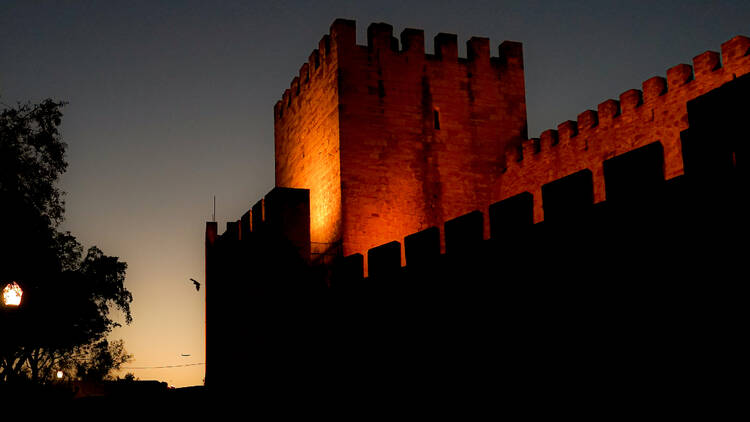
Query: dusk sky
[{"x": 171, "y": 103}]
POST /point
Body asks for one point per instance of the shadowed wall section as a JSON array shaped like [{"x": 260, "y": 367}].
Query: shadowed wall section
[{"x": 597, "y": 237}]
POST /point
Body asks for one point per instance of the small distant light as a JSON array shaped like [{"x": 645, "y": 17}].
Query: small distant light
[
  {"x": 59, "y": 375},
  {"x": 12, "y": 294}
]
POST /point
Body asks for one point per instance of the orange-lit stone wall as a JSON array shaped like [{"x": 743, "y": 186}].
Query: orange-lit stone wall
[
  {"x": 658, "y": 112},
  {"x": 358, "y": 128},
  {"x": 307, "y": 142},
  {"x": 400, "y": 171}
]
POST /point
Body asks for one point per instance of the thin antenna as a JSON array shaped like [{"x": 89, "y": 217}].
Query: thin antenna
[{"x": 213, "y": 216}]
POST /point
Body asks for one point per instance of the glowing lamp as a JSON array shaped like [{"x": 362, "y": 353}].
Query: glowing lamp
[
  {"x": 59, "y": 375},
  {"x": 12, "y": 294}
]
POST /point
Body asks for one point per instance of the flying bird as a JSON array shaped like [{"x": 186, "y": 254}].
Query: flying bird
[{"x": 197, "y": 285}]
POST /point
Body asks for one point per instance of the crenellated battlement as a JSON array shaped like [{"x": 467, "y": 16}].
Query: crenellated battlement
[
  {"x": 410, "y": 205},
  {"x": 341, "y": 43},
  {"x": 638, "y": 197},
  {"x": 387, "y": 118},
  {"x": 704, "y": 70},
  {"x": 442, "y": 135},
  {"x": 309, "y": 70},
  {"x": 655, "y": 113},
  {"x": 392, "y": 144}
]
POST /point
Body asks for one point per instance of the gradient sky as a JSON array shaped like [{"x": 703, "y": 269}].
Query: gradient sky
[{"x": 171, "y": 103}]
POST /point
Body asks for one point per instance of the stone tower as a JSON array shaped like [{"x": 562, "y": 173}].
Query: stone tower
[{"x": 390, "y": 140}]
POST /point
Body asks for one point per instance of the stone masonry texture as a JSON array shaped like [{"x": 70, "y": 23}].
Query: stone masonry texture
[{"x": 390, "y": 140}]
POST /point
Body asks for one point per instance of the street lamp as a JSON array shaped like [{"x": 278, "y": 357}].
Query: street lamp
[{"x": 12, "y": 294}]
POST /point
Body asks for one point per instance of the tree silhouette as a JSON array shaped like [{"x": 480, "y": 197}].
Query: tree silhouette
[
  {"x": 95, "y": 361},
  {"x": 68, "y": 296}
]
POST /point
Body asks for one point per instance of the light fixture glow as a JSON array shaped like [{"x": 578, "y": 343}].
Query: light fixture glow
[{"x": 12, "y": 294}]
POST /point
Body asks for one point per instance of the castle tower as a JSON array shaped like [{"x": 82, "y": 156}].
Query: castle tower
[{"x": 391, "y": 140}]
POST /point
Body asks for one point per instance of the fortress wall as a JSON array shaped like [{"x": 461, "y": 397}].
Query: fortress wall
[
  {"x": 658, "y": 112},
  {"x": 400, "y": 171},
  {"x": 306, "y": 127},
  {"x": 391, "y": 141}
]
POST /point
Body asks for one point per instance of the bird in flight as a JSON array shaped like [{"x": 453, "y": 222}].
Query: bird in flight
[{"x": 197, "y": 285}]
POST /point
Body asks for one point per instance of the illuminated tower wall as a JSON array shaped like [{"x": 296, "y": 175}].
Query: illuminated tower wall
[{"x": 391, "y": 140}]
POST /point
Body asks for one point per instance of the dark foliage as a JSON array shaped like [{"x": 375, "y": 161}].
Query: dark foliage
[{"x": 68, "y": 296}]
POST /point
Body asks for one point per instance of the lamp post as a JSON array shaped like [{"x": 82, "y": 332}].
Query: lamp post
[{"x": 12, "y": 294}]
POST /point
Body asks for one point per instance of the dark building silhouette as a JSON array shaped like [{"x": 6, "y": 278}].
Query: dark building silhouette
[{"x": 417, "y": 240}]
